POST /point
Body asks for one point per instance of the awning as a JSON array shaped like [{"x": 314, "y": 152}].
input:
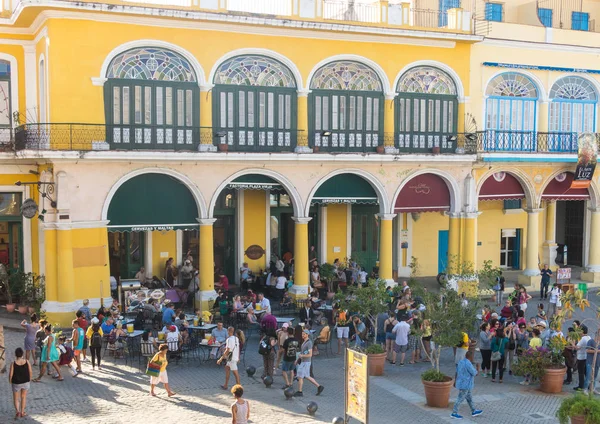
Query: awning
[
  {"x": 256, "y": 182},
  {"x": 152, "y": 202},
  {"x": 424, "y": 193},
  {"x": 345, "y": 188},
  {"x": 501, "y": 186},
  {"x": 560, "y": 189}
]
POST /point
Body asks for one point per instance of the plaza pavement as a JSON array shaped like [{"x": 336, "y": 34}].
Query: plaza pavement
[{"x": 119, "y": 394}]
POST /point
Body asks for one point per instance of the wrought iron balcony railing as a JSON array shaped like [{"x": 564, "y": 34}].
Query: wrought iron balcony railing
[{"x": 75, "y": 137}]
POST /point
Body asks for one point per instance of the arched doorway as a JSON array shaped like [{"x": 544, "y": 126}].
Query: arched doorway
[
  {"x": 254, "y": 224},
  {"x": 145, "y": 214},
  {"x": 503, "y": 222},
  {"x": 352, "y": 225},
  {"x": 422, "y": 207},
  {"x": 567, "y": 217}
]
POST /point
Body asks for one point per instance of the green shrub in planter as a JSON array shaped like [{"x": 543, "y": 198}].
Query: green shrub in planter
[
  {"x": 374, "y": 349},
  {"x": 579, "y": 405},
  {"x": 434, "y": 375}
]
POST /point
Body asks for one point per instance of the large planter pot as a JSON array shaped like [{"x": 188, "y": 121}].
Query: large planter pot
[
  {"x": 578, "y": 419},
  {"x": 376, "y": 363},
  {"x": 10, "y": 307},
  {"x": 552, "y": 381},
  {"x": 223, "y": 147},
  {"x": 438, "y": 394},
  {"x": 23, "y": 309}
]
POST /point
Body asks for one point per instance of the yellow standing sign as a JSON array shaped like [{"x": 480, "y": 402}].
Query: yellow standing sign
[{"x": 357, "y": 386}]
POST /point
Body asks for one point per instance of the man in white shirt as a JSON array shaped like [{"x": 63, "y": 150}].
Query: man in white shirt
[
  {"x": 405, "y": 286},
  {"x": 264, "y": 303},
  {"x": 554, "y": 300},
  {"x": 362, "y": 277},
  {"x": 582, "y": 358},
  {"x": 401, "y": 331},
  {"x": 232, "y": 345}
]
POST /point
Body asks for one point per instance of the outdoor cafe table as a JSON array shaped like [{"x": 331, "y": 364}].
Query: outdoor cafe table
[
  {"x": 206, "y": 348},
  {"x": 133, "y": 344},
  {"x": 283, "y": 320}
]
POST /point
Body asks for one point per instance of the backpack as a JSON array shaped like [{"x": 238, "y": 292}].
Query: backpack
[
  {"x": 69, "y": 353},
  {"x": 264, "y": 347},
  {"x": 292, "y": 349},
  {"x": 96, "y": 339}
]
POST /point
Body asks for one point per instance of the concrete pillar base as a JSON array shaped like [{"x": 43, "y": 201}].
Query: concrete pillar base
[
  {"x": 204, "y": 299},
  {"x": 533, "y": 282},
  {"x": 298, "y": 292},
  {"x": 63, "y": 313},
  {"x": 591, "y": 277},
  {"x": 303, "y": 149},
  {"x": 207, "y": 148},
  {"x": 549, "y": 255}
]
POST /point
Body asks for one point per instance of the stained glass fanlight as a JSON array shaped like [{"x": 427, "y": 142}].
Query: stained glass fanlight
[
  {"x": 573, "y": 88},
  {"x": 512, "y": 84},
  {"x": 255, "y": 70},
  {"x": 151, "y": 63},
  {"x": 426, "y": 80},
  {"x": 346, "y": 75}
]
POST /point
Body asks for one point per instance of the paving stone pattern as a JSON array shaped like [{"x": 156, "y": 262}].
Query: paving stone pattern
[{"x": 119, "y": 394}]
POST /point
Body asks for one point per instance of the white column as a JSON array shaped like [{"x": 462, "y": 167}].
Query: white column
[
  {"x": 31, "y": 103},
  {"x": 323, "y": 234}
]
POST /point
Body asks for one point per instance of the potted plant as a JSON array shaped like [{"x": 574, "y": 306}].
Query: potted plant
[
  {"x": 435, "y": 150},
  {"x": 369, "y": 301},
  {"x": 327, "y": 272},
  {"x": 544, "y": 365},
  {"x": 6, "y": 288},
  {"x": 223, "y": 147},
  {"x": 449, "y": 319},
  {"x": 34, "y": 291},
  {"x": 580, "y": 409},
  {"x": 380, "y": 149}
]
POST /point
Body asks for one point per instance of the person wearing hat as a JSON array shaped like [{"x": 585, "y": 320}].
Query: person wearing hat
[
  {"x": 161, "y": 359},
  {"x": 303, "y": 370}
]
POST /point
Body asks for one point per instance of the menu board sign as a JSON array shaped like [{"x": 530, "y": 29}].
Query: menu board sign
[{"x": 357, "y": 386}]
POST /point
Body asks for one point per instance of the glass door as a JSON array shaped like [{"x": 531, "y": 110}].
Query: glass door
[
  {"x": 508, "y": 248},
  {"x": 365, "y": 236}
]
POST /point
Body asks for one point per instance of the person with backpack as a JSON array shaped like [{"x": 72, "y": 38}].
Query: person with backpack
[
  {"x": 66, "y": 355},
  {"x": 94, "y": 335},
  {"x": 266, "y": 348},
  {"x": 282, "y": 336},
  {"x": 19, "y": 377},
  {"x": 290, "y": 348}
]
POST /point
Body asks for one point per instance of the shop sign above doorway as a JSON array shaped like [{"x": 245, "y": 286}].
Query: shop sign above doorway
[
  {"x": 29, "y": 208},
  {"x": 256, "y": 182},
  {"x": 424, "y": 193},
  {"x": 347, "y": 189}
]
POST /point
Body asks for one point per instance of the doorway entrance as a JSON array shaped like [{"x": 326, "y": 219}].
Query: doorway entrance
[
  {"x": 126, "y": 252},
  {"x": 11, "y": 231},
  {"x": 510, "y": 248},
  {"x": 365, "y": 236},
  {"x": 570, "y": 225}
]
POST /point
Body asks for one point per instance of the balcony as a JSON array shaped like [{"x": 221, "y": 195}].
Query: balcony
[
  {"x": 86, "y": 137},
  {"x": 419, "y": 14}
]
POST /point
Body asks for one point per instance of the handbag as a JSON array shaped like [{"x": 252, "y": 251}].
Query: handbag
[
  {"x": 153, "y": 369},
  {"x": 496, "y": 287},
  {"x": 496, "y": 356}
]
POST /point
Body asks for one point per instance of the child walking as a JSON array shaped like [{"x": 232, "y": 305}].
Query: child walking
[
  {"x": 66, "y": 355},
  {"x": 240, "y": 409}
]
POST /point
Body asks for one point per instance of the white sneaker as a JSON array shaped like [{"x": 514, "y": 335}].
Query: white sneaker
[
  {"x": 585, "y": 392},
  {"x": 596, "y": 392}
]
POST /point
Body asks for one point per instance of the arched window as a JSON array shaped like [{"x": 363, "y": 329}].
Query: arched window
[
  {"x": 151, "y": 100},
  {"x": 346, "y": 107},
  {"x": 254, "y": 104},
  {"x": 572, "y": 111},
  {"x": 426, "y": 110},
  {"x": 5, "y": 95},
  {"x": 511, "y": 113}
]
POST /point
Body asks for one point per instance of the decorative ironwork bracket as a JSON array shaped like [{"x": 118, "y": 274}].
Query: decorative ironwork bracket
[{"x": 45, "y": 189}]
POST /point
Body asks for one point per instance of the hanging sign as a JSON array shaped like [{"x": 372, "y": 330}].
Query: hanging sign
[
  {"x": 357, "y": 386},
  {"x": 586, "y": 161},
  {"x": 29, "y": 208},
  {"x": 255, "y": 252}
]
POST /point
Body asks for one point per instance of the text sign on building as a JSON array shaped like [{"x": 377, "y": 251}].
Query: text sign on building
[
  {"x": 586, "y": 161},
  {"x": 357, "y": 386}
]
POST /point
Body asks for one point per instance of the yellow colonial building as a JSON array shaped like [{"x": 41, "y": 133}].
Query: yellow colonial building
[{"x": 234, "y": 130}]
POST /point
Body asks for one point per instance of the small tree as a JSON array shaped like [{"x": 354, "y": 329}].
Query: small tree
[
  {"x": 449, "y": 319},
  {"x": 327, "y": 272},
  {"x": 369, "y": 301}
]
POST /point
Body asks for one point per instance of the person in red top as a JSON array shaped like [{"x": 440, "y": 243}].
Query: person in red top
[
  {"x": 223, "y": 281},
  {"x": 84, "y": 325},
  {"x": 268, "y": 324},
  {"x": 507, "y": 311}
]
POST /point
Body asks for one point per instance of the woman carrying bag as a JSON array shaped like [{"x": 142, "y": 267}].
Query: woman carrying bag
[
  {"x": 499, "y": 344},
  {"x": 157, "y": 370}
]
